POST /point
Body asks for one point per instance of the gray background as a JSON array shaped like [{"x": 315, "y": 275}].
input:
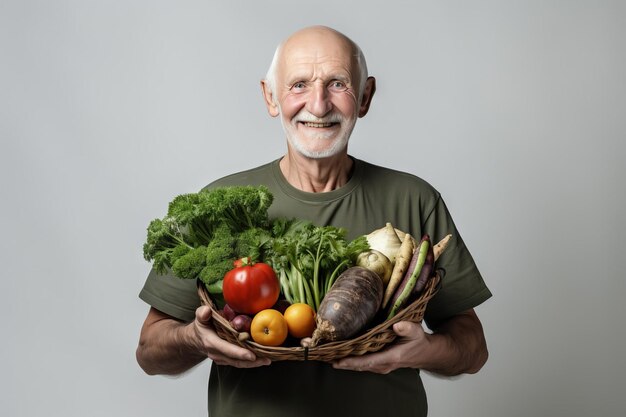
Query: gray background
[{"x": 513, "y": 110}]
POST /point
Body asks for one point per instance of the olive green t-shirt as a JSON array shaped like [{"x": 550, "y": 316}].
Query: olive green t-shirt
[{"x": 372, "y": 197}]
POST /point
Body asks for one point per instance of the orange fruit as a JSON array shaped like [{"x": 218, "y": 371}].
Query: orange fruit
[
  {"x": 269, "y": 328},
  {"x": 300, "y": 319}
]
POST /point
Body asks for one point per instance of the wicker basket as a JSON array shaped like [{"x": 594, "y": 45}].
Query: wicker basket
[{"x": 370, "y": 341}]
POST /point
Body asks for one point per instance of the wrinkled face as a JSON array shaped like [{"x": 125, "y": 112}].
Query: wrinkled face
[{"x": 316, "y": 93}]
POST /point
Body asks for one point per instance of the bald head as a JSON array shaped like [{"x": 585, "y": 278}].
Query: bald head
[
  {"x": 316, "y": 37},
  {"x": 318, "y": 85}
]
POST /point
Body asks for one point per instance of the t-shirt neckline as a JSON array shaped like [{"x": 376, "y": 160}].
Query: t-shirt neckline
[{"x": 324, "y": 197}]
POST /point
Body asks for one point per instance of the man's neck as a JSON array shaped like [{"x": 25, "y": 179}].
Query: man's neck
[{"x": 316, "y": 175}]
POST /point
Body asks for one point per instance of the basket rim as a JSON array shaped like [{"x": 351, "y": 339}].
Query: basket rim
[{"x": 324, "y": 351}]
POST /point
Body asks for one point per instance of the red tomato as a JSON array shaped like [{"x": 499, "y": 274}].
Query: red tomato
[{"x": 249, "y": 289}]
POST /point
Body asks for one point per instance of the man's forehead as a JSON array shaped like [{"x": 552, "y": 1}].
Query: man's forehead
[
  {"x": 301, "y": 53},
  {"x": 318, "y": 43},
  {"x": 302, "y": 61}
]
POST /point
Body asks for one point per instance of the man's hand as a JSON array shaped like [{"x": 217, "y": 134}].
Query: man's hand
[
  {"x": 168, "y": 346},
  {"x": 219, "y": 350},
  {"x": 406, "y": 352},
  {"x": 458, "y": 346}
]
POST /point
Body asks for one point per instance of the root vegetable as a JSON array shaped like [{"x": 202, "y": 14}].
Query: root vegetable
[
  {"x": 349, "y": 306},
  {"x": 401, "y": 234},
  {"x": 376, "y": 261},
  {"x": 385, "y": 240},
  {"x": 441, "y": 246},
  {"x": 402, "y": 262},
  {"x": 411, "y": 276},
  {"x": 424, "y": 276}
]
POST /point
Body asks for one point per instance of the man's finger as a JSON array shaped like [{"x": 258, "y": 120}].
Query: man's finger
[
  {"x": 219, "y": 346},
  {"x": 405, "y": 328},
  {"x": 231, "y": 350},
  {"x": 203, "y": 314}
]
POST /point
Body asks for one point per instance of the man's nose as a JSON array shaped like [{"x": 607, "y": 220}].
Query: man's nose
[{"x": 319, "y": 103}]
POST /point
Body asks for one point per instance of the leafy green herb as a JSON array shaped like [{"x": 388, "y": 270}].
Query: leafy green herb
[
  {"x": 308, "y": 258},
  {"x": 204, "y": 232}
]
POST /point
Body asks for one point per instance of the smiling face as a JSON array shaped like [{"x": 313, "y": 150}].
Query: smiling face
[{"x": 316, "y": 92}]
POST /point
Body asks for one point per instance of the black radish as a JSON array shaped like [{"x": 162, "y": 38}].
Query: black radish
[{"x": 349, "y": 306}]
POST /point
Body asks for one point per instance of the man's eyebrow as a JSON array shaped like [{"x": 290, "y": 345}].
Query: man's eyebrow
[
  {"x": 307, "y": 77},
  {"x": 342, "y": 77},
  {"x": 297, "y": 78}
]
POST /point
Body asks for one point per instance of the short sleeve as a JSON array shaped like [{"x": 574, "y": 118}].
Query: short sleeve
[
  {"x": 171, "y": 295},
  {"x": 462, "y": 286}
]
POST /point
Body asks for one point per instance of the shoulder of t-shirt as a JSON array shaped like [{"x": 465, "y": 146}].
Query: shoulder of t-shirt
[
  {"x": 247, "y": 177},
  {"x": 373, "y": 174}
]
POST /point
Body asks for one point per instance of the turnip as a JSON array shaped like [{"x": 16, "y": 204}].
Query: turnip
[
  {"x": 385, "y": 240},
  {"x": 376, "y": 261},
  {"x": 349, "y": 306}
]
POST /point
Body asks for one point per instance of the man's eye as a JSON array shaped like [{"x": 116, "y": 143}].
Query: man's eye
[
  {"x": 299, "y": 85},
  {"x": 338, "y": 85}
]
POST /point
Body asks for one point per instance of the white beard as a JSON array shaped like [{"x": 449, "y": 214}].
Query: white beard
[{"x": 302, "y": 145}]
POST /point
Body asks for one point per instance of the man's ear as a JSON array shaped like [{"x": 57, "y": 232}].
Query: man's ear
[
  {"x": 368, "y": 93},
  {"x": 268, "y": 96}
]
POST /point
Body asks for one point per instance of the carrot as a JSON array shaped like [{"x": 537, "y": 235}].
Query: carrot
[
  {"x": 441, "y": 246},
  {"x": 402, "y": 262},
  {"x": 350, "y": 304}
]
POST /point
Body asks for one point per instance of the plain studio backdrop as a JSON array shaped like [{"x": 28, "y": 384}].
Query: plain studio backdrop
[{"x": 515, "y": 111}]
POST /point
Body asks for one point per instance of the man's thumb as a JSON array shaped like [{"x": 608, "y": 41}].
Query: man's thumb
[
  {"x": 203, "y": 314},
  {"x": 403, "y": 328}
]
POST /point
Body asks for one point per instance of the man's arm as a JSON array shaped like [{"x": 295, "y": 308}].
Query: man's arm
[
  {"x": 460, "y": 344},
  {"x": 169, "y": 346},
  {"x": 457, "y": 346}
]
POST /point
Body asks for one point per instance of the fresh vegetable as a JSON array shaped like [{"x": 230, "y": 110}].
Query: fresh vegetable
[
  {"x": 251, "y": 288},
  {"x": 309, "y": 258},
  {"x": 269, "y": 328},
  {"x": 404, "y": 290},
  {"x": 228, "y": 313},
  {"x": 203, "y": 232},
  {"x": 401, "y": 234},
  {"x": 349, "y": 306},
  {"x": 300, "y": 319},
  {"x": 424, "y": 275},
  {"x": 385, "y": 240},
  {"x": 441, "y": 246},
  {"x": 376, "y": 261},
  {"x": 402, "y": 262},
  {"x": 241, "y": 323},
  {"x": 238, "y": 263}
]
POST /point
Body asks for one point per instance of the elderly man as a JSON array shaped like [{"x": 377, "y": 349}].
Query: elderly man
[{"x": 318, "y": 86}]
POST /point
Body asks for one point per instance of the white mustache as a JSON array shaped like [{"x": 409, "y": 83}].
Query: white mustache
[{"x": 306, "y": 117}]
